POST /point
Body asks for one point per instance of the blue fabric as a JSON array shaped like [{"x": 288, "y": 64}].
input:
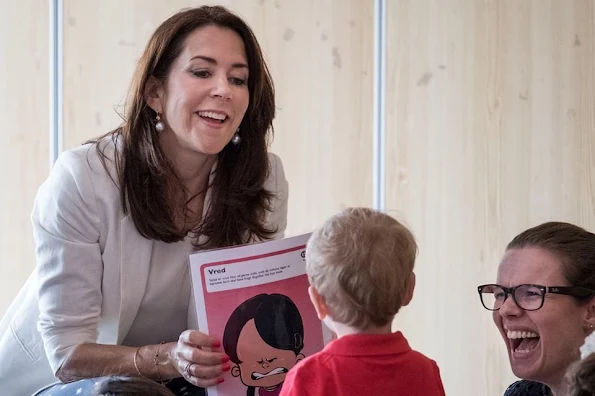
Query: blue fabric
[
  {"x": 179, "y": 386},
  {"x": 77, "y": 388},
  {"x": 527, "y": 388}
]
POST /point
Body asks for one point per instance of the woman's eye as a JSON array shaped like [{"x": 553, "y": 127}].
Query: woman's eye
[
  {"x": 531, "y": 294},
  {"x": 237, "y": 81},
  {"x": 499, "y": 295},
  {"x": 201, "y": 73}
]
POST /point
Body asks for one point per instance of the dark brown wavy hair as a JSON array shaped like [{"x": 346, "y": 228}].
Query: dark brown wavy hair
[
  {"x": 238, "y": 200},
  {"x": 572, "y": 245}
]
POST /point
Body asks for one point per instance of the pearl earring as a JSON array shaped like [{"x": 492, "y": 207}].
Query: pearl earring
[
  {"x": 159, "y": 125},
  {"x": 236, "y": 139}
]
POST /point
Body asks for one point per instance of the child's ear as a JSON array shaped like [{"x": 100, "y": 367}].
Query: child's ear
[
  {"x": 299, "y": 357},
  {"x": 409, "y": 293},
  {"x": 236, "y": 371},
  {"x": 154, "y": 94},
  {"x": 318, "y": 302}
]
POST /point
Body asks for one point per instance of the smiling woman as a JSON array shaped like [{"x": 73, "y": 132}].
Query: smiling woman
[
  {"x": 205, "y": 96},
  {"x": 114, "y": 223},
  {"x": 549, "y": 272}
]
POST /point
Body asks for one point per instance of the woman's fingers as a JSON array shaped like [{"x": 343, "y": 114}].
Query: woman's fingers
[
  {"x": 198, "y": 339},
  {"x": 207, "y": 372},
  {"x": 204, "y": 376},
  {"x": 200, "y": 367},
  {"x": 204, "y": 358}
]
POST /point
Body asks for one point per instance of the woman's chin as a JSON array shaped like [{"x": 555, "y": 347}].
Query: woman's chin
[
  {"x": 209, "y": 148},
  {"x": 524, "y": 362}
]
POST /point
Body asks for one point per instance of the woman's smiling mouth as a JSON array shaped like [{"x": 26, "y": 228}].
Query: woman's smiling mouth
[
  {"x": 522, "y": 342},
  {"x": 213, "y": 116}
]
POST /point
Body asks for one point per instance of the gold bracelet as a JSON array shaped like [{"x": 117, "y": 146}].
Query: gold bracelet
[
  {"x": 136, "y": 364},
  {"x": 156, "y": 362}
]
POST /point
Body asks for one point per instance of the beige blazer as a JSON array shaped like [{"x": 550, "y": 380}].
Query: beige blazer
[{"x": 91, "y": 274}]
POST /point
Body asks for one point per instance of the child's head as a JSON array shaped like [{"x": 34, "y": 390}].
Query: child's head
[
  {"x": 360, "y": 265},
  {"x": 129, "y": 386}
]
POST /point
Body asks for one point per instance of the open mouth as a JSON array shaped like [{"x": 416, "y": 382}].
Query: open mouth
[
  {"x": 279, "y": 370},
  {"x": 522, "y": 342},
  {"x": 213, "y": 116}
]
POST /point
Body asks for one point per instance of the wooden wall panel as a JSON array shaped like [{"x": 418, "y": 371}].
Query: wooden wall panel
[
  {"x": 24, "y": 152},
  {"x": 320, "y": 56},
  {"x": 102, "y": 43},
  {"x": 491, "y": 130},
  {"x": 490, "y": 118}
]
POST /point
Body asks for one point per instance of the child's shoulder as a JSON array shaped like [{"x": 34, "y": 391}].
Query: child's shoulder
[
  {"x": 311, "y": 365},
  {"x": 421, "y": 357},
  {"x": 314, "y": 360},
  {"x": 421, "y": 361}
]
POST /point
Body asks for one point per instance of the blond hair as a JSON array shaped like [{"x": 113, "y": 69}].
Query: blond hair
[{"x": 360, "y": 261}]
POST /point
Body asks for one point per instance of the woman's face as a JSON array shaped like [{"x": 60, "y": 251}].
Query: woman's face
[
  {"x": 558, "y": 327},
  {"x": 205, "y": 95}
]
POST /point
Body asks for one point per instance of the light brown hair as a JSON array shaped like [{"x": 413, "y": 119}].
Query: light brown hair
[
  {"x": 360, "y": 261},
  {"x": 239, "y": 201},
  {"x": 572, "y": 245}
]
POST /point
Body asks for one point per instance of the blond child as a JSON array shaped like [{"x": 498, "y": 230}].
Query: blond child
[{"x": 360, "y": 267}]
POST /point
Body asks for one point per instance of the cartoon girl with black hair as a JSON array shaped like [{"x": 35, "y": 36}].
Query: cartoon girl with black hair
[{"x": 264, "y": 337}]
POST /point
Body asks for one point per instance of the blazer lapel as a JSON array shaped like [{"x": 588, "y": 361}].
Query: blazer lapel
[
  {"x": 192, "y": 319},
  {"x": 134, "y": 272}
]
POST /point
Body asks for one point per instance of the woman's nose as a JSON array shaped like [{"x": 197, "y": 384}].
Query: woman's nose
[
  {"x": 510, "y": 307},
  {"x": 221, "y": 88}
]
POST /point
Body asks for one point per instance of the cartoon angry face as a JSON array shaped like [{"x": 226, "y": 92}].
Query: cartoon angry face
[{"x": 261, "y": 364}]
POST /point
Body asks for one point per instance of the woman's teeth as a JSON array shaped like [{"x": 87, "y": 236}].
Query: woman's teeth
[
  {"x": 513, "y": 335},
  {"x": 522, "y": 342},
  {"x": 213, "y": 115}
]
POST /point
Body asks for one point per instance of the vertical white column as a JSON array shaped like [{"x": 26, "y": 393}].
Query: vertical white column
[
  {"x": 56, "y": 78},
  {"x": 379, "y": 104}
]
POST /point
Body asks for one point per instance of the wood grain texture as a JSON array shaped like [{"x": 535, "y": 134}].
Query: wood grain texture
[
  {"x": 491, "y": 130},
  {"x": 24, "y": 152},
  {"x": 320, "y": 56}
]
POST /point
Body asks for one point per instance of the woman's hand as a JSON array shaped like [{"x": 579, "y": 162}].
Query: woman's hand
[{"x": 199, "y": 367}]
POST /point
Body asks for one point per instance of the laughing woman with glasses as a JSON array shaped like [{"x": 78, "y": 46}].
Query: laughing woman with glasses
[{"x": 544, "y": 304}]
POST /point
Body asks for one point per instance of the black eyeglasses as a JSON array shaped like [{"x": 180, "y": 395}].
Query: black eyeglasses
[{"x": 527, "y": 297}]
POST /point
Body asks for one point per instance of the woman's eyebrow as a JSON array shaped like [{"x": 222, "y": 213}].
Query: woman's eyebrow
[{"x": 238, "y": 65}]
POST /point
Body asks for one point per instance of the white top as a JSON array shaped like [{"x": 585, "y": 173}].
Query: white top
[{"x": 164, "y": 319}]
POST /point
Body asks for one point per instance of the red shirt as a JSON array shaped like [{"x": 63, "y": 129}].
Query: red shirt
[{"x": 365, "y": 364}]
